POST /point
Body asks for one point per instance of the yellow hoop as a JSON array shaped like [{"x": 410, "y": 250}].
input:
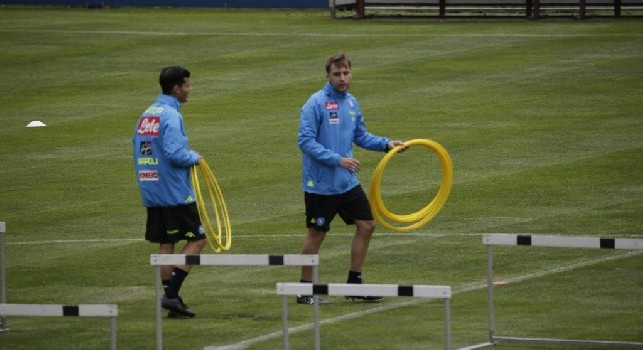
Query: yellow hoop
[
  {"x": 215, "y": 240},
  {"x": 424, "y": 215}
]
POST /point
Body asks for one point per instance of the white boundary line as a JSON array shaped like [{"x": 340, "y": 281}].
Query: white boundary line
[
  {"x": 255, "y": 236},
  {"x": 325, "y": 35},
  {"x": 65, "y": 241},
  {"x": 464, "y": 289}
]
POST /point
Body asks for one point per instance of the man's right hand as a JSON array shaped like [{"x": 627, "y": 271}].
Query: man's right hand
[{"x": 351, "y": 164}]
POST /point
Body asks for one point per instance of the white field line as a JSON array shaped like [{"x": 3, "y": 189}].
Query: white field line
[
  {"x": 74, "y": 241},
  {"x": 324, "y": 35},
  {"x": 459, "y": 290},
  {"x": 253, "y": 236}
]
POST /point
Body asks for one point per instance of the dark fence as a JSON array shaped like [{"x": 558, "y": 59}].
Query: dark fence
[
  {"x": 179, "y": 3},
  {"x": 528, "y": 8}
]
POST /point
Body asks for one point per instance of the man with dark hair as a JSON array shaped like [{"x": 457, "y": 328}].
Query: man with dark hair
[
  {"x": 162, "y": 160},
  {"x": 330, "y": 122}
]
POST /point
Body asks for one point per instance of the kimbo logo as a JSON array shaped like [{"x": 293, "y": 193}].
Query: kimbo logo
[{"x": 148, "y": 175}]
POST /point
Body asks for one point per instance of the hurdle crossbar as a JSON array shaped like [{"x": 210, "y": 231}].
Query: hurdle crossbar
[
  {"x": 492, "y": 239},
  {"x": 159, "y": 260},
  {"x": 235, "y": 259},
  {"x": 387, "y": 290},
  {"x": 44, "y": 310},
  {"x": 562, "y": 241}
]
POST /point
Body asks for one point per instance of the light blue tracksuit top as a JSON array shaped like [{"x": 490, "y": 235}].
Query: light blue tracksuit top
[
  {"x": 162, "y": 156},
  {"x": 330, "y": 123}
]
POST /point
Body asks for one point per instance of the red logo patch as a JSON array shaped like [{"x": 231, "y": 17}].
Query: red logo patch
[
  {"x": 148, "y": 175},
  {"x": 331, "y": 105},
  {"x": 149, "y": 126}
]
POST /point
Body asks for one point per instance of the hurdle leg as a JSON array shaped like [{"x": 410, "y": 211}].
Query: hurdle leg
[
  {"x": 3, "y": 280},
  {"x": 490, "y": 292},
  {"x": 112, "y": 333},
  {"x": 447, "y": 323},
  {"x": 316, "y": 322},
  {"x": 316, "y": 329},
  {"x": 284, "y": 320},
  {"x": 159, "y": 321}
]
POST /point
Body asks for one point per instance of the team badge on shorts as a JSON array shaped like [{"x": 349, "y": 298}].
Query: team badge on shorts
[{"x": 320, "y": 222}]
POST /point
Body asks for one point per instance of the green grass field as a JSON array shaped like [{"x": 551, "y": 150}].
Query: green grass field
[{"x": 543, "y": 121}]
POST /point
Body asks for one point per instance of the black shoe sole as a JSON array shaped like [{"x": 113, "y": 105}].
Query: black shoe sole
[
  {"x": 177, "y": 316},
  {"x": 365, "y": 299},
  {"x": 322, "y": 301},
  {"x": 177, "y": 311}
]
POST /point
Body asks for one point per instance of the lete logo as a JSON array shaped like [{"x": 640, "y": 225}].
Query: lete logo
[
  {"x": 331, "y": 105},
  {"x": 149, "y": 126}
]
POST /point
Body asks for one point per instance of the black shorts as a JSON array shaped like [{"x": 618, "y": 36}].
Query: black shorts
[
  {"x": 321, "y": 209},
  {"x": 173, "y": 224}
]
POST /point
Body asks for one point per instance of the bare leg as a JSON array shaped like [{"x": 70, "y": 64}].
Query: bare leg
[
  {"x": 192, "y": 248},
  {"x": 312, "y": 243},
  {"x": 166, "y": 270},
  {"x": 172, "y": 301},
  {"x": 363, "y": 233},
  {"x": 179, "y": 272}
]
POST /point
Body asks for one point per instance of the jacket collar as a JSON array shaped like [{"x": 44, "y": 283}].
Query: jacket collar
[
  {"x": 169, "y": 100},
  {"x": 331, "y": 92}
]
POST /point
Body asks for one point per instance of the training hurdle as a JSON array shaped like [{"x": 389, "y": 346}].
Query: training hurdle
[
  {"x": 547, "y": 241},
  {"x": 38, "y": 310},
  {"x": 88, "y": 310},
  {"x": 159, "y": 260},
  {"x": 386, "y": 290}
]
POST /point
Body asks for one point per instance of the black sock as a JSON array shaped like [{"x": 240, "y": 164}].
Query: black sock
[
  {"x": 178, "y": 276},
  {"x": 166, "y": 285},
  {"x": 354, "y": 277}
]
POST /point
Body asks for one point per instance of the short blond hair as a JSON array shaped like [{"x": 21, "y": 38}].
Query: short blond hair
[{"x": 339, "y": 59}]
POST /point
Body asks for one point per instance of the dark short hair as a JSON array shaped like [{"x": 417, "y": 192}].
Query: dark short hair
[
  {"x": 339, "y": 59},
  {"x": 171, "y": 76}
]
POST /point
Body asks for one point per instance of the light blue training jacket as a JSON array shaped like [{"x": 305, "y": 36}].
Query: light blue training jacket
[
  {"x": 330, "y": 123},
  {"x": 162, "y": 156}
]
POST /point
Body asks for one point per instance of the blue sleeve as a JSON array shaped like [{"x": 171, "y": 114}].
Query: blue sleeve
[
  {"x": 309, "y": 125},
  {"x": 175, "y": 144},
  {"x": 365, "y": 139}
]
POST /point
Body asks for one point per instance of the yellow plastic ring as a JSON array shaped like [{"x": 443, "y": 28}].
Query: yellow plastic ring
[
  {"x": 424, "y": 215},
  {"x": 216, "y": 240}
]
